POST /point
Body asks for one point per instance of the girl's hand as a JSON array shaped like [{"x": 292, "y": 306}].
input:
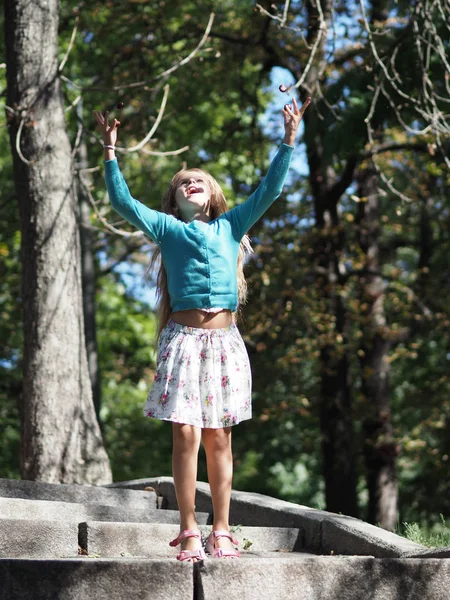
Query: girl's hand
[
  {"x": 109, "y": 131},
  {"x": 292, "y": 117}
]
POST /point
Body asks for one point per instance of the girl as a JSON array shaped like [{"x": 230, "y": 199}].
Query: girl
[{"x": 202, "y": 382}]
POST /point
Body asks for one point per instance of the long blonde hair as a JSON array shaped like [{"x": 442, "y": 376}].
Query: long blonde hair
[{"x": 218, "y": 205}]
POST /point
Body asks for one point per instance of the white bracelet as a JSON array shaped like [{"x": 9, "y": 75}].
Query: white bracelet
[{"x": 110, "y": 147}]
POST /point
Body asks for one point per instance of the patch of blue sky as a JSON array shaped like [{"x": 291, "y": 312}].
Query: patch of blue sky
[
  {"x": 137, "y": 283},
  {"x": 11, "y": 362}
]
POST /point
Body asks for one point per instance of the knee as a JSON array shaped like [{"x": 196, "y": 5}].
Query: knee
[
  {"x": 217, "y": 440},
  {"x": 186, "y": 437}
]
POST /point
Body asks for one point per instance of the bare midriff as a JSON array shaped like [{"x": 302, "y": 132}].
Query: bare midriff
[{"x": 202, "y": 319}]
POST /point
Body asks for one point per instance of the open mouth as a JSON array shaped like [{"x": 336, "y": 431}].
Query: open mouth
[{"x": 194, "y": 190}]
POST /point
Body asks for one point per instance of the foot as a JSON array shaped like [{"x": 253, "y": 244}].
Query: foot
[
  {"x": 221, "y": 544},
  {"x": 191, "y": 545}
]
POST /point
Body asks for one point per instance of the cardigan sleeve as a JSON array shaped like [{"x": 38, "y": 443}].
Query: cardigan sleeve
[
  {"x": 243, "y": 216},
  {"x": 152, "y": 222}
]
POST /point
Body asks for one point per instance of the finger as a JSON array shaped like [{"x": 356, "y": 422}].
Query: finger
[
  {"x": 305, "y": 105},
  {"x": 116, "y": 123},
  {"x": 106, "y": 118},
  {"x": 294, "y": 102}
]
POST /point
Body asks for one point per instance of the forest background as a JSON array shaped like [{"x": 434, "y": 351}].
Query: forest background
[{"x": 347, "y": 323}]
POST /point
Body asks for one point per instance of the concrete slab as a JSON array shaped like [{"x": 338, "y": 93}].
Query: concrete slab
[
  {"x": 327, "y": 578},
  {"x": 99, "y": 579},
  {"x": 345, "y": 535},
  {"x": 20, "y": 508},
  {"x": 83, "y": 494},
  {"x": 152, "y": 540},
  {"x": 37, "y": 539},
  {"x": 128, "y": 539}
]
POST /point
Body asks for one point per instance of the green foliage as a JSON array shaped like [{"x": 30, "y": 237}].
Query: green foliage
[
  {"x": 137, "y": 446},
  {"x": 436, "y": 537}
]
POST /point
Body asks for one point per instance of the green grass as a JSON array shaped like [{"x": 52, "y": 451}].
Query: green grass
[{"x": 436, "y": 537}]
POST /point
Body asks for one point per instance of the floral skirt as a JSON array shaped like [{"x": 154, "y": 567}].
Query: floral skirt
[{"x": 202, "y": 378}]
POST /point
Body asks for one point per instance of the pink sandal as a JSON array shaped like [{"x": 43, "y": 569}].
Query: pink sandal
[
  {"x": 221, "y": 552},
  {"x": 198, "y": 554}
]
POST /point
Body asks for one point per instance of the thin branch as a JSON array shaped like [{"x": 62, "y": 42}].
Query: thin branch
[
  {"x": 373, "y": 105},
  {"x": 382, "y": 176},
  {"x": 89, "y": 170},
  {"x": 282, "y": 20},
  {"x": 111, "y": 265},
  {"x": 321, "y": 32},
  {"x": 77, "y": 139},
  {"x": 18, "y": 150},
  {"x": 9, "y": 109},
  {"x": 153, "y": 129},
  {"x": 69, "y": 49},
  {"x": 73, "y": 104},
  {"x": 285, "y": 13},
  {"x": 268, "y": 14},
  {"x": 377, "y": 57},
  {"x": 167, "y": 153},
  {"x": 157, "y": 77},
  {"x": 193, "y": 53},
  {"x": 105, "y": 223},
  {"x": 394, "y": 146},
  {"x": 345, "y": 54}
]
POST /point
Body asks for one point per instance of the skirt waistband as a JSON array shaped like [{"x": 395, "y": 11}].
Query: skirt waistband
[{"x": 172, "y": 326}]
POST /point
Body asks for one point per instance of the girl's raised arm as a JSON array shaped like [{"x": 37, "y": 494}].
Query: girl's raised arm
[
  {"x": 152, "y": 222},
  {"x": 244, "y": 216}
]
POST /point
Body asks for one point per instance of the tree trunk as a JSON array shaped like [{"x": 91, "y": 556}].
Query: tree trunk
[
  {"x": 336, "y": 412},
  {"x": 89, "y": 283},
  {"x": 60, "y": 437},
  {"x": 380, "y": 450},
  {"x": 336, "y": 424}
]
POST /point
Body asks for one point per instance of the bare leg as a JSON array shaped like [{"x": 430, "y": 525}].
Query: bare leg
[
  {"x": 186, "y": 443},
  {"x": 219, "y": 461}
]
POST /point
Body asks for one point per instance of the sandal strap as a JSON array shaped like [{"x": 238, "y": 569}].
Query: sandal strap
[
  {"x": 188, "y": 554},
  {"x": 221, "y": 552},
  {"x": 183, "y": 535},
  {"x": 218, "y": 533}
]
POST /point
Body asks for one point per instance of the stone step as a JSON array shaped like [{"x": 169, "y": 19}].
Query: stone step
[
  {"x": 21, "y": 538},
  {"x": 20, "y": 508},
  {"x": 286, "y": 577},
  {"x": 38, "y": 539},
  {"x": 84, "y": 494},
  {"x": 111, "y": 540},
  {"x": 83, "y": 578},
  {"x": 298, "y": 577}
]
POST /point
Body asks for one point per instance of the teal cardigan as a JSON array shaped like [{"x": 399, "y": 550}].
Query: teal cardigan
[{"x": 200, "y": 258}]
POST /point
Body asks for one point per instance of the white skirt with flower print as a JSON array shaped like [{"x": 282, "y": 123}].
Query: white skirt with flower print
[{"x": 203, "y": 377}]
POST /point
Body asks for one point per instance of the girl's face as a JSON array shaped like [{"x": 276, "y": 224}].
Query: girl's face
[{"x": 192, "y": 195}]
